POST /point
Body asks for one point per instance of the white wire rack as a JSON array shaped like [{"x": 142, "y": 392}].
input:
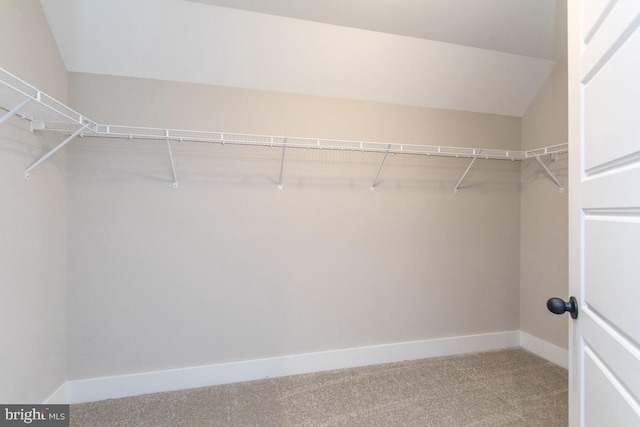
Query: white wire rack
[
  {"x": 47, "y": 114},
  {"x": 20, "y": 98},
  {"x": 179, "y": 135}
]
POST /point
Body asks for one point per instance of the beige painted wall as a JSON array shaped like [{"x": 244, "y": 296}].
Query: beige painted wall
[
  {"x": 544, "y": 220},
  {"x": 33, "y": 221},
  {"x": 227, "y": 268}
]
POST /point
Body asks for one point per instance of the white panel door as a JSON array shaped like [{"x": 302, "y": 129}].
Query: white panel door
[{"x": 604, "y": 206}]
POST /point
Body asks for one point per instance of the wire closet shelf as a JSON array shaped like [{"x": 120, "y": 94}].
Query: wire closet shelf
[{"x": 45, "y": 113}]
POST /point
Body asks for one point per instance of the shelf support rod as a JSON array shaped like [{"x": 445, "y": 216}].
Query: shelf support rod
[
  {"x": 53, "y": 151},
  {"x": 551, "y": 175},
  {"x": 173, "y": 166},
  {"x": 284, "y": 151},
  {"x": 455, "y": 189},
  {"x": 372, "y": 187},
  {"x": 15, "y": 110}
]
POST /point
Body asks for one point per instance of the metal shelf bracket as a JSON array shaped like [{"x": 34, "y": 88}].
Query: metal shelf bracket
[
  {"x": 372, "y": 187},
  {"x": 173, "y": 166},
  {"x": 16, "y": 109},
  {"x": 284, "y": 151},
  {"x": 551, "y": 175},
  {"x": 455, "y": 189},
  {"x": 54, "y": 150}
]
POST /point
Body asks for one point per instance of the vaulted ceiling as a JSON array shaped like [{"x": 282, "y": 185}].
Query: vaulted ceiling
[
  {"x": 488, "y": 56},
  {"x": 523, "y": 27}
]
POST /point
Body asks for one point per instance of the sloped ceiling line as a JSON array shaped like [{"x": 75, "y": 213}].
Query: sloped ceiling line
[{"x": 193, "y": 42}]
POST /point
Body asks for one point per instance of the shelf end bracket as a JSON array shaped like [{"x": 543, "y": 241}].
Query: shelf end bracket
[
  {"x": 53, "y": 151},
  {"x": 551, "y": 175}
]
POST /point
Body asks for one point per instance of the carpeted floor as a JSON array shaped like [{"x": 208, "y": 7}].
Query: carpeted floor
[{"x": 499, "y": 388}]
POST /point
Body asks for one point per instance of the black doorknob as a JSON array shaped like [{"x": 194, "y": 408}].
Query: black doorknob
[{"x": 559, "y": 306}]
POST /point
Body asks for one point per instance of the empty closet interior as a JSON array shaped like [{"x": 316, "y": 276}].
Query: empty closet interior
[{"x": 164, "y": 231}]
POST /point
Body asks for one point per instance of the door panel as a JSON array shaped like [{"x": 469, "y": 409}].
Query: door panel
[
  {"x": 614, "y": 349},
  {"x": 611, "y": 188},
  {"x": 611, "y": 126},
  {"x": 594, "y": 13},
  {"x": 604, "y": 212},
  {"x": 616, "y": 27},
  {"x": 612, "y": 264},
  {"x": 602, "y": 403}
]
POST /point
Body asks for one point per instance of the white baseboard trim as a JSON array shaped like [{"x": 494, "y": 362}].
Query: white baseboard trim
[
  {"x": 544, "y": 349},
  {"x": 59, "y": 396},
  {"x": 94, "y": 389}
]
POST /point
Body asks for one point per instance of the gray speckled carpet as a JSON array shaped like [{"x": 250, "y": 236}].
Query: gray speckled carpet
[{"x": 509, "y": 387}]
